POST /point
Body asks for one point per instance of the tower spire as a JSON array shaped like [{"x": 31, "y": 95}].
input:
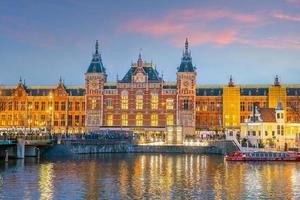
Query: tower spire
[
  {"x": 140, "y": 60},
  {"x": 20, "y": 81},
  {"x": 60, "y": 81},
  {"x": 276, "y": 81},
  {"x": 230, "y": 83},
  {"x": 97, "y": 47},
  {"x": 186, "y": 46}
]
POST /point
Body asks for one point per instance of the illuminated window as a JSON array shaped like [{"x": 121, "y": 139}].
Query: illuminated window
[
  {"x": 109, "y": 120},
  {"x": 43, "y": 107},
  {"x": 170, "y": 120},
  {"x": 204, "y": 106},
  {"x": 154, "y": 101},
  {"x": 170, "y": 104},
  {"x": 139, "y": 102},
  {"x": 154, "y": 120},
  {"x": 139, "y": 120},
  {"x": 63, "y": 105},
  {"x": 77, "y": 119},
  {"x": 56, "y": 105},
  {"x": 77, "y": 105},
  {"x": 124, "y": 119},
  {"x": 108, "y": 103},
  {"x": 94, "y": 104},
  {"x": 70, "y": 105},
  {"x": 250, "y": 106},
  {"x": 16, "y": 105},
  {"x": 242, "y": 106},
  {"x": 124, "y": 100},
  {"x": 219, "y": 105}
]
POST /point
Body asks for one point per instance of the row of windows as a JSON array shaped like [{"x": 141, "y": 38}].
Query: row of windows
[
  {"x": 213, "y": 106},
  {"x": 250, "y": 105},
  {"x": 139, "y": 118},
  {"x": 22, "y": 106},
  {"x": 280, "y": 131},
  {"x": 42, "y": 120},
  {"x": 139, "y": 102}
]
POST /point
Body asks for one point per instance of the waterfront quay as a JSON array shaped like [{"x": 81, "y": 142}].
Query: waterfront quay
[{"x": 109, "y": 142}]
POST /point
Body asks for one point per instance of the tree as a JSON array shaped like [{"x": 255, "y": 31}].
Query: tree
[{"x": 261, "y": 144}]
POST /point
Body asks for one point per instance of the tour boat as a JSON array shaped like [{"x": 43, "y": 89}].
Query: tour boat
[{"x": 264, "y": 156}]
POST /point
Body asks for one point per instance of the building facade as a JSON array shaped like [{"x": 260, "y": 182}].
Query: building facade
[{"x": 141, "y": 101}]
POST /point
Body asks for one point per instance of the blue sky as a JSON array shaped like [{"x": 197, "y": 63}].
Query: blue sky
[{"x": 250, "y": 40}]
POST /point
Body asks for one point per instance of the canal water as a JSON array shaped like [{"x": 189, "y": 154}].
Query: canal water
[{"x": 148, "y": 176}]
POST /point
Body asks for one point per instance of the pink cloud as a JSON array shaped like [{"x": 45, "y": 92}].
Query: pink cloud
[
  {"x": 281, "y": 15},
  {"x": 290, "y": 42},
  {"x": 203, "y": 27},
  {"x": 210, "y": 15},
  {"x": 153, "y": 28},
  {"x": 220, "y": 38}
]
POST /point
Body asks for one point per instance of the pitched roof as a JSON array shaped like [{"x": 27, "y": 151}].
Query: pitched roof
[
  {"x": 186, "y": 64},
  {"x": 153, "y": 75},
  {"x": 268, "y": 114},
  {"x": 96, "y": 65}
]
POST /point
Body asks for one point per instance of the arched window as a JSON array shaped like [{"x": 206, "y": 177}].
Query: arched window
[
  {"x": 139, "y": 100},
  {"x": 124, "y": 100},
  {"x": 154, "y": 101},
  {"x": 139, "y": 119}
]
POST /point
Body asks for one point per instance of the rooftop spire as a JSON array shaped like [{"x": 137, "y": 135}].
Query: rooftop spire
[
  {"x": 186, "y": 61},
  {"x": 60, "y": 81},
  {"x": 97, "y": 47},
  {"x": 186, "y": 45},
  {"x": 230, "y": 83},
  {"x": 276, "y": 81},
  {"x": 140, "y": 61},
  {"x": 20, "y": 81}
]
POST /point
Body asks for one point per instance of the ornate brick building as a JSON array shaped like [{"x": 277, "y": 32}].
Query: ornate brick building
[{"x": 141, "y": 101}]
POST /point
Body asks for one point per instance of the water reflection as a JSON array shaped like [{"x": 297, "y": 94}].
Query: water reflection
[
  {"x": 153, "y": 176},
  {"x": 46, "y": 181}
]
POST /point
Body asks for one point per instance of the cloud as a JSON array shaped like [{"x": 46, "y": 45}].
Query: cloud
[
  {"x": 290, "y": 42},
  {"x": 217, "y": 27},
  {"x": 281, "y": 15},
  {"x": 210, "y": 15}
]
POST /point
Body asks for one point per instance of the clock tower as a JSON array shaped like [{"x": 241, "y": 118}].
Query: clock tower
[
  {"x": 95, "y": 77},
  {"x": 186, "y": 93}
]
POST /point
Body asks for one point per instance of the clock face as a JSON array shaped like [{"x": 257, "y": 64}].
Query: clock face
[{"x": 93, "y": 85}]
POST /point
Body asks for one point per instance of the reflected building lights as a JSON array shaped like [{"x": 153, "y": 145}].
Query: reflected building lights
[{"x": 46, "y": 181}]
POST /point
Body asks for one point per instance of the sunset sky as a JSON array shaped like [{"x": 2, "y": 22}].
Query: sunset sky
[{"x": 252, "y": 40}]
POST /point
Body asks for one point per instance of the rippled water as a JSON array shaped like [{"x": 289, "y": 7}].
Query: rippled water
[{"x": 148, "y": 176}]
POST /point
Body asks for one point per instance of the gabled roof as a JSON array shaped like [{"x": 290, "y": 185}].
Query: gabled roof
[
  {"x": 96, "y": 65},
  {"x": 153, "y": 75},
  {"x": 186, "y": 64},
  {"x": 148, "y": 68}
]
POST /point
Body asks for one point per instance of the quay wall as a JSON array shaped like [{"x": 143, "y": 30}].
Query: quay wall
[{"x": 69, "y": 148}]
